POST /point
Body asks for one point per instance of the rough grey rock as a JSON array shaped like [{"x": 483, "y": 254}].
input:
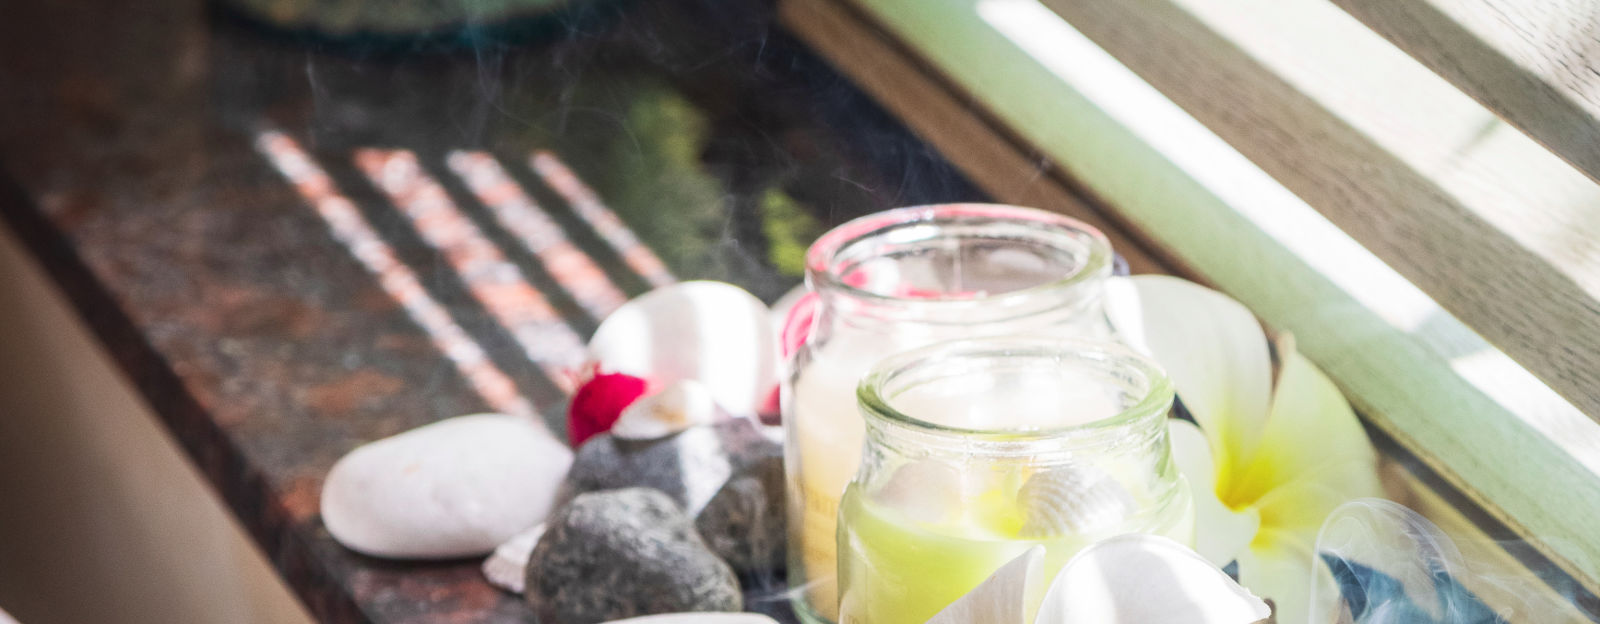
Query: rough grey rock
[
  {"x": 690, "y": 466},
  {"x": 744, "y": 523},
  {"x": 625, "y": 553}
]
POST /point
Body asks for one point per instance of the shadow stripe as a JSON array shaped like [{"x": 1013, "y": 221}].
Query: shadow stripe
[
  {"x": 353, "y": 230},
  {"x": 493, "y": 281}
]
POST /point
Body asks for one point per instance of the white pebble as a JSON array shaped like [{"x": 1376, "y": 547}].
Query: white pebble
[{"x": 455, "y": 488}]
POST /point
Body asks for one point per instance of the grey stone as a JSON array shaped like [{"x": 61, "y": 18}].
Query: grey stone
[
  {"x": 625, "y": 553},
  {"x": 690, "y": 466},
  {"x": 745, "y": 521}
]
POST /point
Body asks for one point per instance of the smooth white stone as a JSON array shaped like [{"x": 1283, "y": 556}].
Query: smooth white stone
[
  {"x": 672, "y": 409},
  {"x": 455, "y": 488},
  {"x": 711, "y": 332}
]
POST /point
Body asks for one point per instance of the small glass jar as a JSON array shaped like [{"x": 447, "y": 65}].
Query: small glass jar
[
  {"x": 901, "y": 279},
  {"x": 977, "y": 450}
]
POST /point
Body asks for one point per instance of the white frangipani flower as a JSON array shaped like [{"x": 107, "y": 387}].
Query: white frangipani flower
[{"x": 1272, "y": 457}]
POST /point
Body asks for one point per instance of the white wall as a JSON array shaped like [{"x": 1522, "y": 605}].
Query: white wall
[{"x": 102, "y": 518}]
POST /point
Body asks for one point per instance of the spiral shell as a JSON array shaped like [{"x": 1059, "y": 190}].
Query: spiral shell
[{"x": 1072, "y": 499}]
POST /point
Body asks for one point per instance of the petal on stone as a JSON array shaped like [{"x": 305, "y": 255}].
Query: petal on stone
[
  {"x": 711, "y": 332},
  {"x": 599, "y": 403},
  {"x": 1006, "y": 597},
  {"x": 1146, "y": 579}
]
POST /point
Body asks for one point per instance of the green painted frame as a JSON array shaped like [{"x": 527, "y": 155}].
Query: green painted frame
[{"x": 1119, "y": 152}]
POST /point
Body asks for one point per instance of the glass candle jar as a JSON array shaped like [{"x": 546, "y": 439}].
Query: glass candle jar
[
  {"x": 978, "y": 449},
  {"x": 896, "y": 280}
]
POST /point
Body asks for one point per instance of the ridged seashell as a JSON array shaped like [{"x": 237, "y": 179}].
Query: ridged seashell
[
  {"x": 677, "y": 407},
  {"x": 1072, "y": 499},
  {"x": 507, "y": 567}
]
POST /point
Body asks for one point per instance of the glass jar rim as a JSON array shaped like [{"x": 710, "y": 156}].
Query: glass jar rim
[
  {"x": 1157, "y": 399},
  {"x": 822, "y": 256}
]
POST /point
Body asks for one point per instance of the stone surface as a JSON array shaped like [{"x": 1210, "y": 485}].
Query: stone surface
[
  {"x": 455, "y": 488},
  {"x": 690, "y": 466},
  {"x": 625, "y": 553},
  {"x": 744, "y": 523},
  {"x": 266, "y": 348}
]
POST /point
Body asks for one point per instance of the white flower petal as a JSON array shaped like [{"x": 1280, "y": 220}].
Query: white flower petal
[
  {"x": 712, "y": 332},
  {"x": 1145, "y": 579},
  {"x": 1212, "y": 348},
  {"x": 1279, "y": 567},
  {"x": 1006, "y": 597},
  {"x": 667, "y": 411},
  {"x": 1311, "y": 435},
  {"x": 1221, "y": 534}
]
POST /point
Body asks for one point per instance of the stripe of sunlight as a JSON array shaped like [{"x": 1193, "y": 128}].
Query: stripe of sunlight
[
  {"x": 522, "y": 216},
  {"x": 1284, "y": 216},
  {"x": 494, "y": 282},
  {"x": 605, "y": 222},
  {"x": 352, "y": 230}
]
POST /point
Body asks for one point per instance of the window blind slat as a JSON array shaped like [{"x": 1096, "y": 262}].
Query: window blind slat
[
  {"x": 1498, "y": 231},
  {"x": 1536, "y": 63}
]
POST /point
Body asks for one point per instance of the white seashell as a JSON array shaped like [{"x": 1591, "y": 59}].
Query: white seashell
[
  {"x": 928, "y": 490},
  {"x": 456, "y": 488},
  {"x": 698, "y": 618},
  {"x": 507, "y": 567},
  {"x": 672, "y": 409},
  {"x": 1072, "y": 499},
  {"x": 711, "y": 332}
]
